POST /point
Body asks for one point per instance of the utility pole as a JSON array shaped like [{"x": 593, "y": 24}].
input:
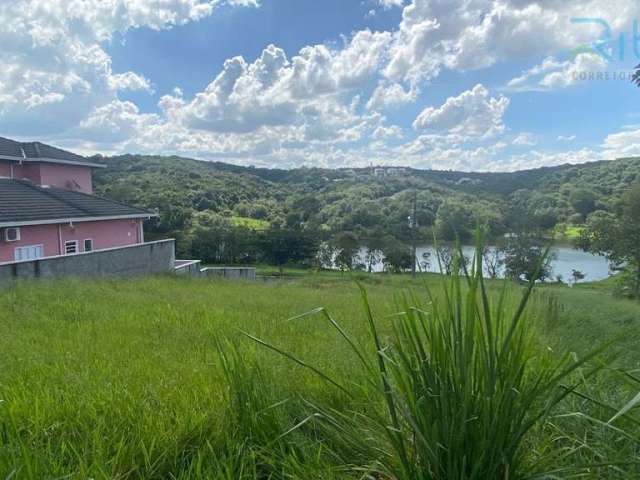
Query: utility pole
[{"x": 414, "y": 225}]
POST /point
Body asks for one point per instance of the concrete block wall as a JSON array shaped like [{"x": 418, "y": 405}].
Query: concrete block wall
[
  {"x": 233, "y": 273},
  {"x": 134, "y": 260},
  {"x": 191, "y": 268}
]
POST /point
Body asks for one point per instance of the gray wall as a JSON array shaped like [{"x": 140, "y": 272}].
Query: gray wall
[
  {"x": 188, "y": 267},
  {"x": 233, "y": 273},
  {"x": 143, "y": 259}
]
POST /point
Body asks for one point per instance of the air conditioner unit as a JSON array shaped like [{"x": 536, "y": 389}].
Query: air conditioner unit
[{"x": 11, "y": 234}]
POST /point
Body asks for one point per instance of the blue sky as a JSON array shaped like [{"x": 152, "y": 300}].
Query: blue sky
[{"x": 446, "y": 84}]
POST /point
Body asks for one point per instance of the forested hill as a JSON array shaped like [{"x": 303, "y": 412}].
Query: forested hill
[{"x": 188, "y": 192}]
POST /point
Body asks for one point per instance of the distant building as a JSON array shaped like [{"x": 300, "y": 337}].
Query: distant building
[
  {"x": 389, "y": 171},
  {"x": 468, "y": 181},
  {"x": 47, "y": 207},
  {"x": 396, "y": 171}
]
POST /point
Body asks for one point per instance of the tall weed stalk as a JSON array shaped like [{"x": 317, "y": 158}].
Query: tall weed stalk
[{"x": 453, "y": 392}]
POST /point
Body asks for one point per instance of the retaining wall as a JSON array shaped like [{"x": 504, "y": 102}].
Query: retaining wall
[
  {"x": 133, "y": 260},
  {"x": 233, "y": 273},
  {"x": 188, "y": 267}
]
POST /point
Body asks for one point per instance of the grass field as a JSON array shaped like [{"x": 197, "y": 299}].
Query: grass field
[
  {"x": 568, "y": 232},
  {"x": 152, "y": 378},
  {"x": 251, "y": 223}
]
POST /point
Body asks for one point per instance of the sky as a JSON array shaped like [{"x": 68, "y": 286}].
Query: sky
[{"x": 474, "y": 85}]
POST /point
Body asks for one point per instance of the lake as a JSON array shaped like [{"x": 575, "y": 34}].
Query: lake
[{"x": 566, "y": 259}]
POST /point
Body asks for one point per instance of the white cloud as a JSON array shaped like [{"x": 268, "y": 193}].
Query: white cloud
[
  {"x": 525, "y": 139},
  {"x": 387, "y": 133},
  {"x": 537, "y": 159},
  {"x": 552, "y": 74},
  {"x": 566, "y": 138},
  {"x": 309, "y": 108},
  {"x": 466, "y": 35},
  {"x": 273, "y": 109},
  {"x": 389, "y": 4},
  {"x": 622, "y": 144},
  {"x": 384, "y": 5},
  {"x": 450, "y": 153},
  {"x": 129, "y": 81},
  {"x": 473, "y": 113},
  {"x": 315, "y": 91},
  {"x": 388, "y": 96},
  {"x": 115, "y": 122},
  {"x": 55, "y": 69},
  {"x": 244, "y": 3}
]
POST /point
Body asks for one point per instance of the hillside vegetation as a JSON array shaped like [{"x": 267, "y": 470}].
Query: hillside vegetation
[
  {"x": 153, "y": 379},
  {"x": 188, "y": 193}
]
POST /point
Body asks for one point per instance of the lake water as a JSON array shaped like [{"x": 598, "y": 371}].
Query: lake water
[{"x": 566, "y": 259}]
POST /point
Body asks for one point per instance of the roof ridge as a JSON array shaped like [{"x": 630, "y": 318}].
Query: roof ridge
[
  {"x": 40, "y": 189},
  {"x": 27, "y": 202},
  {"x": 51, "y": 193},
  {"x": 47, "y": 191},
  {"x": 90, "y": 195}
]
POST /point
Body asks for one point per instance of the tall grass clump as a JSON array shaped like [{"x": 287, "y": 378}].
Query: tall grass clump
[{"x": 455, "y": 391}]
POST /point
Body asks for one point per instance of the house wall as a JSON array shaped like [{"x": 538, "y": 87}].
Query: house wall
[
  {"x": 105, "y": 234},
  {"x": 45, "y": 235},
  {"x": 143, "y": 259},
  {"x": 26, "y": 171},
  {"x": 5, "y": 169},
  {"x": 67, "y": 177}
]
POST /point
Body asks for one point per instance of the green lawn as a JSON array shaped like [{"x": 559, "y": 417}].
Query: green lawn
[
  {"x": 568, "y": 232},
  {"x": 124, "y": 379},
  {"x": 251, "y": 223}
]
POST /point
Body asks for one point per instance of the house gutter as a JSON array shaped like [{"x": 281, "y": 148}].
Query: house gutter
[
  {"x": 145, "y": 216},
  {"x": 51, "y": 160}
]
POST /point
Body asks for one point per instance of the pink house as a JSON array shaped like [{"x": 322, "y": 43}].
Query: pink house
[{"x": 47, "y": 207}]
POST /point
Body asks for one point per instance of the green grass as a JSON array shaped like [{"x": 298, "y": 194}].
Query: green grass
[
  {"x": 251, "y": 223},
  {"x": 568, "y": 232},
  {"x": 152, "y": 378}
]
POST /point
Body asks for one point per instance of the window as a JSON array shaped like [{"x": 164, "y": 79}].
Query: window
[
  {"x": 88, "y": 245},
  {"x": 11, "y": 234},
  {"x": 32, "y": 252},
  {"x": 70, "y": 246}
]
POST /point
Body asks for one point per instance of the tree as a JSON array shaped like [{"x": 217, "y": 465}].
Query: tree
[
  {"x": 397, "y": 256},
  {"x": 325, "y": 256},
  {"x": 617, "y": 236},
  {"x": 216, "y": 240},
  {"x": 347, "y": 247},
  {"x": 284, "y": 246},
  {"x": 446, "y": 258},
  {"x": 524, "y": 259},
  {"x": 636, "y": 75},
  {"x": 454, "y": 221},
  {"x": 374, "y": 247},
  {"x": 583, "y": 201},
  {"x": 577, "y": 275},
  {"x": 493, "y": 261},
  {"x": 211, "y": 240}
]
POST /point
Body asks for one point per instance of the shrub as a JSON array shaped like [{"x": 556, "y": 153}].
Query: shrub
[{"x": 453, "y": 394}]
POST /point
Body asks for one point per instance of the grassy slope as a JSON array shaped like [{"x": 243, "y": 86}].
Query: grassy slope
[
  {"x": 98, "y": 377},
  {"x": 76, "y": 356},
  {"x": 590, "y": 315}
]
